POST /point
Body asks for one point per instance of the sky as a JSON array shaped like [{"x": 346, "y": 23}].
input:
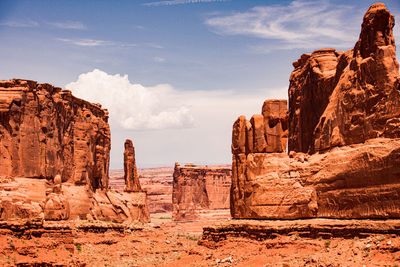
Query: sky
[{"x": 174, "y": 74}]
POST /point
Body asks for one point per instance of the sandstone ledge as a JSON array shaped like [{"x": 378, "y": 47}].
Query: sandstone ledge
[
  {"x": 309, "y": 228},
  {"x": 29, "y": 228}
]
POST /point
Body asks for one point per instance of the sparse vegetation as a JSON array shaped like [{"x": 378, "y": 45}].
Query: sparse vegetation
[
  {"x": 327, "y": 243},
  {"x": 189, "y": 237},
  {"x": 11, "y": 244},
  {"x": 165, "y": 218},
  {"x": 78, "y": 247}
]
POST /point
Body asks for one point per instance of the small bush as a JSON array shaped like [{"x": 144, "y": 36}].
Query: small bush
[{"x": 327, "y": 243}]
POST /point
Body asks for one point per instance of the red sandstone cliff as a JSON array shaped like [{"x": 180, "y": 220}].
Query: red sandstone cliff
[
  {"x": 344, "y": 146},
  {"x": 344, "y": 98},
  {"x": 54, "y": 158},
  {"x": 46, "y": 131},
  {"x": 200, "y": 192}
]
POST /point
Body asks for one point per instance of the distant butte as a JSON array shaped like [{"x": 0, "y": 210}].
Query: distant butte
[{"x": 201, "y": 192}]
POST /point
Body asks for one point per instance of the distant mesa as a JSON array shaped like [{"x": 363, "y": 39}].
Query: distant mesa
[
  {"x": 201, "y": 192},
  {"x": 342, "y": 126},
  {"x": 54, "y": 158}
]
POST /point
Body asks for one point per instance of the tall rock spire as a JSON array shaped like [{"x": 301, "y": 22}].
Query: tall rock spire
[{"x": 131, "y": 176}]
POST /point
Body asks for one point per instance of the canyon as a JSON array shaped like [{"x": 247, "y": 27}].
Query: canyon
[{"x": 314, "y": 180}]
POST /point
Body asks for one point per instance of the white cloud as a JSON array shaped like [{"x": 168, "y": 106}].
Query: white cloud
[
  {"x": 94, "y": 42},
  {"x": 152, "y": 45},
  {"x": 192, "y": 126},
  {"x": 86, "y": 42},
  {"x": 179, "y": 2},
  {"x": 20, "y": 24},
  {"x": 158, "y": 59},
  {"x": 301, "y": 24},
  {"x": 133, "y": 106},
  {"x": 73, "y": 25}
]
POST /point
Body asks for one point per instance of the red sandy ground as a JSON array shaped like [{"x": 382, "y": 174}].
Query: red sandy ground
[{"x": 165, "y": 243}]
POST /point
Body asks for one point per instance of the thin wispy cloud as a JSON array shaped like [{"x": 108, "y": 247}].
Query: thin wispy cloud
[
  {"x": 180, "y": 2},
  {"x": 95, "y": 42},
  {"x": 20, "y": 24},
  {"x": 73, "y": 25},
  {"x": 86, "y": 42},
  {"x": 152, "y": 45},
  {"x": 301, "y": 24},
  {"x": 158, "y": 59}
]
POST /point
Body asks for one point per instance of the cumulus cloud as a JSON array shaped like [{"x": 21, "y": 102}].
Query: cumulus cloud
[
  {"x": 179, "y": 2},
  {"x": 193, "y": 126},
  {"x": 301, "y": 24},
  {"x": 134, "y": 106}
]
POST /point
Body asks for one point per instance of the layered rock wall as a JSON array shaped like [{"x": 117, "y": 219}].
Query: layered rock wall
[
  {"x": 45, "y": 131},
  {"x": 200, "y": 192},
  {"x": 263, "y": 133},
  {"x": 344, "y": 142},
  {"x": 343, "y": 98},
  {"x": 54, "y": 158}
]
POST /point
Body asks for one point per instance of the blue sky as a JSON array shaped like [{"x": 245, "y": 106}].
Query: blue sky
[{"x": 174, "y": 74}]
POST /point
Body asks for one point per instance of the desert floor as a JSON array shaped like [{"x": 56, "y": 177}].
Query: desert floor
[{"x": 166, "y": 243}]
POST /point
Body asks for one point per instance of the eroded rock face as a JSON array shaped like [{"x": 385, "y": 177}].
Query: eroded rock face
[
  {"x": 263, "y": 133},
  {"x": 54, "y": 158},
  {"x": 338, "y": 99},
  {"x": 45, "y": 131},
  {"x": 344, "y": 142},
  {"x": 131, "y": 176},
  {"x": 359, "y": 181},
  {"x": 200, "y": 192}
]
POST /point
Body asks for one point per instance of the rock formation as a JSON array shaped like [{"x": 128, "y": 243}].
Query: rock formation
[
  {"x": 54, "y": 158},
  {"x": 156, "y": 182},
  {"x": 45, "y": 131},
  {"x": 343, "y": 137},
  {"x": 263, "y": 133},
  {"x": 131, "y": 176},
  {"x": 200, "y": 192},
  {"x": 347, "y": 98}
]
